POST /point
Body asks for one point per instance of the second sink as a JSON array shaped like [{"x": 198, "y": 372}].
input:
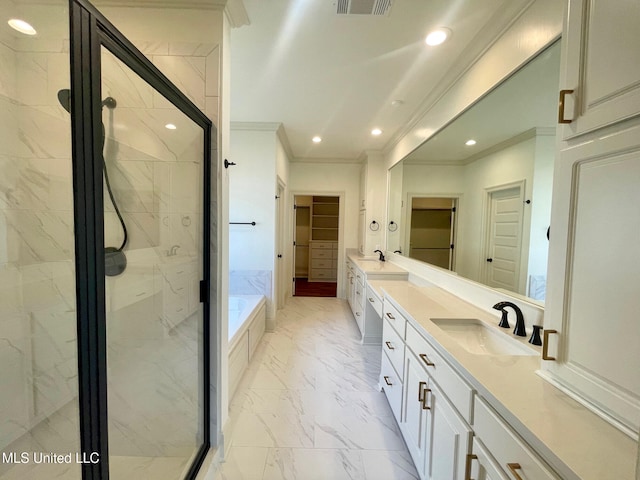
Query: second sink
[{"x": 478, "y": 338}]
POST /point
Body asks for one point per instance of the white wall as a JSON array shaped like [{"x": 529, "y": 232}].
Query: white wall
[
  {"x": 336, "y": 179},
  {"x": 252, "y": 198}
]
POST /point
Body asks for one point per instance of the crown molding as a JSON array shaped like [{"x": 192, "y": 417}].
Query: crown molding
[
  {"x": 236, "y": 13},
  {"x": 327, "y": 161},
  {"x": 256, "y": 126}
]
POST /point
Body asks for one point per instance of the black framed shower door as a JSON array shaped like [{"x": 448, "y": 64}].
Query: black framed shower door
[{"x": 143, "y": 331}]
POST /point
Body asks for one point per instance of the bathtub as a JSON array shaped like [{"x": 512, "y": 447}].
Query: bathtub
[{"x": 247, "y": 319}]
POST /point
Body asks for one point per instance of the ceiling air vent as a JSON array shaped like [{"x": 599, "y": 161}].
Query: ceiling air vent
[{"x": 363, "y": 7}]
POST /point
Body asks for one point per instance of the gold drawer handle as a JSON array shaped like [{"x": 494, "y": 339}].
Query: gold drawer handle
[
  {"x": 467, "y": 468},
  {"x": 421, "y": 386},
  {"x": 424, "y": 358},
  {"x": 423, "y": 401},
  {"x": 357, "y": 314},
  {"x": 389, "y": 346},
  {"x": 386, "y": 380},
  {"x": 563, "y": 94},
  {"x": 513, "y": 467},
  {"x": 545, "y": 345},
  {"x": 390, "y": 316},
  {"x": 371, "y": 300}
]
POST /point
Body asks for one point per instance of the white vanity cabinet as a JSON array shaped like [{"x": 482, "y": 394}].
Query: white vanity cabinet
[
  {"x": 511, "y": 454},
  {"x": 592, "y": 293},
  {"x": 365, "y": 303},
  {"x": 436, "y": 434},
  {"x": 481, "y": 465}
]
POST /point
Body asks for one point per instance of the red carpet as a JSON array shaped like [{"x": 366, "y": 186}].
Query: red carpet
[{"x": 315, "y": 289}]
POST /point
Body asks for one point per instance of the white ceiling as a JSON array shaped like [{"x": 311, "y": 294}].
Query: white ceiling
[{"x": 319, "y": 73}]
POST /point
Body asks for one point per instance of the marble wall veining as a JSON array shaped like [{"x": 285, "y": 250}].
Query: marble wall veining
[
  {"x": 37, "y": 275},
  {"x": 156, "y": 178}
]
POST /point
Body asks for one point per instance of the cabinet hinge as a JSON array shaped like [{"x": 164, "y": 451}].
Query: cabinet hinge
[
  {"x": 453, "y": 209},
  {"x": 294, "y": 243},
  {"x": 452, "y": 246},
  {"x": 295, "y": 206}
]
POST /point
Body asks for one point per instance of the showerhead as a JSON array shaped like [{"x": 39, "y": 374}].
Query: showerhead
[{"x": 64, "y": 97}]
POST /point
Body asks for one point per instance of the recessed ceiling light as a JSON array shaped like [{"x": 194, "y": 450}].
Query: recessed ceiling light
[
  {"x": 437, "y": 36},
  {"x": 470, "y": 142},
  {"x": 170, "y": 126},
  {"x": 21, "y": 26},
  {"x": 376, "y": 131},
  {"x": 397, "y": 103},
  {"x": 316, "y": 139}
]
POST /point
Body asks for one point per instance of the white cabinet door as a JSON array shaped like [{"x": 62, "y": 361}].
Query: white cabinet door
[
  {"x": 413, "y": 422},
  {"x": 600, "y": 51},
  {"x": 482, "y": 466},
  {"x": 450, "y": 440},
  {"x": 592, "y": 289}
]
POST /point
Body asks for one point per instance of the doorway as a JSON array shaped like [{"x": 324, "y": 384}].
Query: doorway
[
  {"x": 317, "y": 220},
  {"x": 504, "y": 238},
  {"x": 432, "y": 232}
]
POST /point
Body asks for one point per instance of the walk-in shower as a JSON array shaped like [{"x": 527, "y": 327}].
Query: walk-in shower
[
  {"x": 115, "y": 260},
  {"x": 104, "y": 370}
]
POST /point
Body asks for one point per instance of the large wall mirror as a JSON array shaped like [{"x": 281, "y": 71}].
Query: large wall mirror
[{"x": 476, "y": 197}]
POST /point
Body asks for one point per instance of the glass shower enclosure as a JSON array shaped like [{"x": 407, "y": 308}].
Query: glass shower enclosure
[{"x": 105, "y": 171}]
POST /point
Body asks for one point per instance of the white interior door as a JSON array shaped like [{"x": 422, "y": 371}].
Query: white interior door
[{"x": 505, "y": 239}]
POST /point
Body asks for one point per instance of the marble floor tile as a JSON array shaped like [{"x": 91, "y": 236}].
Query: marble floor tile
[
  {"x": 370, "y": 433},
  {"x": 273, "y": 430},
  {"x": 243, "y": 463},
  {"x": 310, "y": 399},
  {"x": 313, "y": 464},
  {"x": 384, "y": 465}
]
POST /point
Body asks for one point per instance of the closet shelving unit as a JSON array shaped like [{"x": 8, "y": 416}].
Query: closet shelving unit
[{"x": 323, "y": 246}]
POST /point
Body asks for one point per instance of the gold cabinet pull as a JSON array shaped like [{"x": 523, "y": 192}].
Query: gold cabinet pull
[
  {"x": 389, "y": 346},
  {"x": 371, "y": 300},
  {"x": 467, "y": 467},
  {"x": 424, "y": 399},
  {"x": 563, "y": 94},
  {"x": 424, "y": 358},
  {"x": 545, "y": 345},
  {"x": 391, "y": 317},
  {"x": 421, "y": 386},
  {"x": 513, "y": 468},
  {"x": 386, "y": 380}
]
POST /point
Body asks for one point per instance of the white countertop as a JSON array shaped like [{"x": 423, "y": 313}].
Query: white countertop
[
  {"x": 375, "y": 266},
  {"x": 576, "y": 442}
]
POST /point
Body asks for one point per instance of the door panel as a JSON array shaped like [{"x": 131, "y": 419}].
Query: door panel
[{"x": 154, "y": 191}]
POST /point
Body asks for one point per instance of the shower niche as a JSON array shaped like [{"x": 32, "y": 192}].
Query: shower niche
[{"x": 105, "y": 180}]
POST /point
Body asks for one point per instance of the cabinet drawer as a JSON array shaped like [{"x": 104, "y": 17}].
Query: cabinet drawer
[
  {"x": 392, "y": 386},
  {"x": 320, "y": 253},
  {"x": 374, "y": 300},
  {"x": 457, "y": 390},
  {"x": 321, "y": 263},
  {"x": 394, "y": 318},
  {"x": 359, "y": 316},
  {"x": 393, "y": 346},
  {"x": 485, "y": 465},
  {"x": 359, "y": 277},
  {"x": 323, "y": 245},
  {"x": 323, "y": 273},
  {"x": 505, "y": 445}
]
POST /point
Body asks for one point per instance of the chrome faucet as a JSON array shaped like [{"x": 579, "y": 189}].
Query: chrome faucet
[
  {"x": 504, "y": 323},
  {"x": 173, "y": 251},
  {"x": 381, "y": 255}
]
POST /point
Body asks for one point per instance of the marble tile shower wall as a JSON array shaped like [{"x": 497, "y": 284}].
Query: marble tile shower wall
[
  {"x": 154, "y": 186},
  {"x": 37, "y": 279}
]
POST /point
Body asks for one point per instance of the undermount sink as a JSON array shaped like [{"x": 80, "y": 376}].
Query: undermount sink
[{"x": 480, "y": 339}]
